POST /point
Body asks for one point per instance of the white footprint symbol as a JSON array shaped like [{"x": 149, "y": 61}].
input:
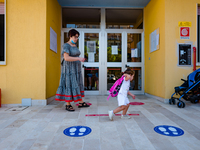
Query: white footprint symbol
[
  {"x": 82, "y": 130},
  {"x": 72, "y": 130},
  {"x": 174, "y": 131},
  {"x": 163, "y": 130}
]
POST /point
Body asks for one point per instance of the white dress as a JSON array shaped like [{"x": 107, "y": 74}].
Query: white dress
[{"x": 123, "y": 92}]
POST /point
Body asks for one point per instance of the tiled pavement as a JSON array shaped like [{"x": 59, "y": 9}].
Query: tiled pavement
[{"x": 42, "y": 127}]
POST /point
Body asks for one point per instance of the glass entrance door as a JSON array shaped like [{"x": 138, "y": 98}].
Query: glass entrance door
[
  {"x": 134, "y": 60},
  {"x": 108, "y": 53},
  {"x": 114, "y": 58},
  {"x": 90, "y": 51},
  {"x": 88, "y": 44},
  {"x": 125, "y": 50}
]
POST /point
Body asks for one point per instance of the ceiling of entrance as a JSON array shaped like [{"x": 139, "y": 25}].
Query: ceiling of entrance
[{"x": 104, "y": 3}]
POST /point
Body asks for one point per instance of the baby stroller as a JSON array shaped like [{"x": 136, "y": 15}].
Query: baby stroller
[{"x": 189, "y": 90}]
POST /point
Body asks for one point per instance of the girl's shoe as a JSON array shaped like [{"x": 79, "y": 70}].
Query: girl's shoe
[
  {"x": 110, "y": 114},
  {"x": 125, "y": 116}
]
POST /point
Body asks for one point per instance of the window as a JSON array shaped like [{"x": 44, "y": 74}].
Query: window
[
  {"x": 81, "y": 17},
  {"x": 124, "y": 18},
  {"x": 2, "y": 34}
]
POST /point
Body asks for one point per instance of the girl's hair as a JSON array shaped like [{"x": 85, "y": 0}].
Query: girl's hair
[
  {"x": 128, "y": 71},
  {"x": 73, "y": 32}
]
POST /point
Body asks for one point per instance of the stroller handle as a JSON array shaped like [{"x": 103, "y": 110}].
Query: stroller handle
[
  {"x": 184, "y": 80},
  {"x": 192, "y": 81}
]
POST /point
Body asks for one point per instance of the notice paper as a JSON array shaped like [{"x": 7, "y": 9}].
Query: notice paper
[
  {"x": 91, "y": 46},
  {"x": 90, "y": 57},
  {"x": 114, "y": 50},
  {"x": 134, "y": 52},
  {"x": 53, "y": 40}
]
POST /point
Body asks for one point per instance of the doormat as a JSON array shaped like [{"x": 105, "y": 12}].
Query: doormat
[{"x": 18, "y": 108}]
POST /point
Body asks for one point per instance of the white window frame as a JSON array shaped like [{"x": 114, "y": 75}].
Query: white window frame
[{"x": 4, "y": 62}]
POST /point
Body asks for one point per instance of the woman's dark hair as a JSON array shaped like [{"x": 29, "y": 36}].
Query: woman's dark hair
[
  {"x": 73, "y": 32},
  {"x": 128, "y": 71}
]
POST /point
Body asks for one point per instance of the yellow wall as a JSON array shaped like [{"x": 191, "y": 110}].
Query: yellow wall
[
  {"x": 182, "y": 10},
  {"x": 154, "y": 14},
  {"x": 1, "y": 1},
  {"x": 24, "y": 74},
  {"x": 52, "y": 58},
  {"x": 161, "y": 71}
]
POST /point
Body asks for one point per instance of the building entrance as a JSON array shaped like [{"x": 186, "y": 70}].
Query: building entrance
[{"x": 109, "y": 49}]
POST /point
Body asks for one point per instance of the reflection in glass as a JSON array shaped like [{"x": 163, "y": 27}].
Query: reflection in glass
[
  {"x": 120, "y": 26},
  {"x": 83, "y": 26},
  {"x": 66, "y": 39},
  {"x": 91, "y": 78},
  {"x": 136, "y": 83},
  {"x": 112, "y": 75},
  {"x": 91, "y": 47},
  {"x": 124, "y": 18},
  {"x": 114, "y": 47},
  {"x": 134, "y": 47},
  {"x": 81, "y": 18}
]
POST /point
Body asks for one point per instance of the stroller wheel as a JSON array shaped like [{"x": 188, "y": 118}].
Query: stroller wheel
[
  {"x": 170, "y": 101},
  {"x": 195, "y": 101},
  {"x": 181, "y": 104},
  {"x": 174, "y": 101}
]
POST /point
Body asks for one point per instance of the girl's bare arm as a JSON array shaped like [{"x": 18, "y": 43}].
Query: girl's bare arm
[{"x": 132, "y": 95}]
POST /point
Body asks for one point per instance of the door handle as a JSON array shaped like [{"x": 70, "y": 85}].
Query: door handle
[
  {"x": 83, "y": 66},
  {"x": 127, "y": 66}
]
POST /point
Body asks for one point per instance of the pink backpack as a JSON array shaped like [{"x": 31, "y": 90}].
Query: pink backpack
[{"x": 114, "y": 90}]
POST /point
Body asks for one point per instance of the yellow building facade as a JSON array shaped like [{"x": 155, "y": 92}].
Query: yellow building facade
[{"x": 32, "y": 70}]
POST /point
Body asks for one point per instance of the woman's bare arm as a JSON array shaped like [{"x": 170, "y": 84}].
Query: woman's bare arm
[{"x": 69, "y": 58}]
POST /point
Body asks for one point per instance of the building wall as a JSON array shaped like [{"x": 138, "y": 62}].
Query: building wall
[
  {"x": 53, "y": 59},
  {"x": 175, "y": 11},
  {"x": 24, "y": 74},
  {"x": 154, "y": 18}
]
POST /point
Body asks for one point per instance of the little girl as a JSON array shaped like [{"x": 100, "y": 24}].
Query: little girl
[{"x": 122, "y": 98}]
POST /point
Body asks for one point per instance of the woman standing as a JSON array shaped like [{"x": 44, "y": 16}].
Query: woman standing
[{"x": 71, "y": 83}]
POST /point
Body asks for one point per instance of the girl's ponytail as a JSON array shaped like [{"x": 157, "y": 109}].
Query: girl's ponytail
[{"x": 129, "y": 71}]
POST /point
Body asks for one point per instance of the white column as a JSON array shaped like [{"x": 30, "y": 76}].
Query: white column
[{"x": 102, "y": 55}]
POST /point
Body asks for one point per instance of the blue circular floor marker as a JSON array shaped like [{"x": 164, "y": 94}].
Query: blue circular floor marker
[
  {"x": 168, "y": 130},
  {"x": 77, "y": 131}
]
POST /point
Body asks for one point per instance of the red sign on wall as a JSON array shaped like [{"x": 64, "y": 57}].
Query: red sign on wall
[{"x": 185, "y": 32}]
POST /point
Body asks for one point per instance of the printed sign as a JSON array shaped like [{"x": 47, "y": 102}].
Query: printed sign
[
  {"x": 185, "y": 32},
  {"x": 53, "y": 40},
  {"x": 134, "y": 52},
  {"x": 91, "y": 46},
  {"x": 91, "y": 57},
  {"x": 184, "y": 24},
  {"x": 168, "y": 130},
  {"x": 114, "y": 50},
  {"x": 77, "y": 131}
]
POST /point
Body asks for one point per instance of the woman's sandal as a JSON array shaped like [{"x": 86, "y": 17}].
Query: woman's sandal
[
  {"x": 69, "y": 108},
  {"x": 84, "y": 104}
]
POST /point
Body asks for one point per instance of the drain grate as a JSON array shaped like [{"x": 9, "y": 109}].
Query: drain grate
[{"x": 19, "y": 108}]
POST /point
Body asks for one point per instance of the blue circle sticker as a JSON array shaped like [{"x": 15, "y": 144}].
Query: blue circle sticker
[
  {"x": 77, "y": 131},
  {"x": 168, "y": 130}
]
